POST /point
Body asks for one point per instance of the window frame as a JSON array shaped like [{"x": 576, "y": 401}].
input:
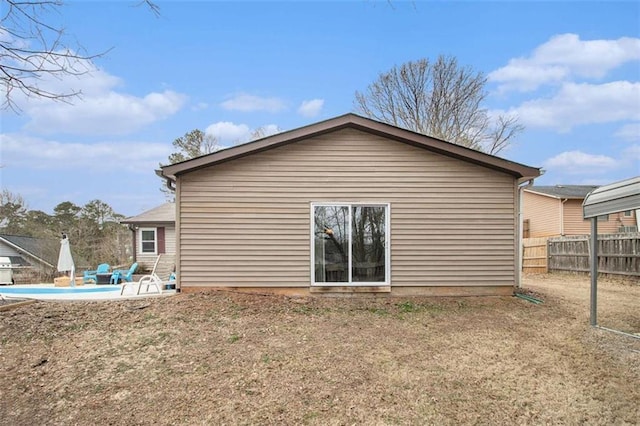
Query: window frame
[
  {"x": 155, "y": 241},
  {"x": 630, "y": 213},
  {"x": 387, "y": 249}
]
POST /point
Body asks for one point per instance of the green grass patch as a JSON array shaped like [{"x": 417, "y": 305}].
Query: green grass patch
[{"x": 408, "y": 306}]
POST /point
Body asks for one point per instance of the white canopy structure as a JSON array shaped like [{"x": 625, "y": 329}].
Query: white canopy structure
[{"x": 613, "y": 198}]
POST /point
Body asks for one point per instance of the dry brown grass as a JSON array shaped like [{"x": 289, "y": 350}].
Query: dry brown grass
[{"x": 242, "y": 359}]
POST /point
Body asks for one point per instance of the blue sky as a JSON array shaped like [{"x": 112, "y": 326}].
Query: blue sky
[{"x": 569, "y": 70}]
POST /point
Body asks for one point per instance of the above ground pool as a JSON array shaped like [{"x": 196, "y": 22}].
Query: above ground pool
[
  {"x": 32, "y": 290},
  {"x": 50, "y": 292},
  {"x": 83, "y": 292}
]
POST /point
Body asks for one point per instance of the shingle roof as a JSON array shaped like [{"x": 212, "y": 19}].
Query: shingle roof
[
  {"x": 165, "y": 213},
  {"x": 357, "y": 122},
  {"x": 576, "y": 192},
  {"x": 41, "y": 249}
]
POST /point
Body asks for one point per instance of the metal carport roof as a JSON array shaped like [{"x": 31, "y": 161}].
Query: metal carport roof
[{"x": 615, "y": 197}]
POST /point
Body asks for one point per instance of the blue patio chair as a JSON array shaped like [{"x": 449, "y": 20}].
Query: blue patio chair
[
  {"x": 103, "y": 268},
  {"x": 120, "y": 275}
]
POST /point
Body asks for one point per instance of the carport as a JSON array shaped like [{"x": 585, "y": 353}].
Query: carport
[{"x": 613, "y": 198}]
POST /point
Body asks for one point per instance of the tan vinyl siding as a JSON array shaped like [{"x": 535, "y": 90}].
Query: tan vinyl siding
[
  {"x": 574, "y": 224},
  {"x": 544, "y": 214},
  {"x": 247, "y": 222},
  {"x": 6, "y": 250},
  {"x": 170, "y": 239}
]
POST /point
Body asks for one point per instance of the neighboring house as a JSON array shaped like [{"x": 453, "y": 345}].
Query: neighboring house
[
  {"x": 557, "y": 210},
  {"x": 348, "y": 205},
  {"x": 32, "y": 259},
  {"x": 154, "y": 233}
]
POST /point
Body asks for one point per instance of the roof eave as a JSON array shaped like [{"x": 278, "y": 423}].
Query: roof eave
[
  {"x": 361, "y": 123},
  {"x": 27, "y": 252},
  {"x": 554, "y": 196}
]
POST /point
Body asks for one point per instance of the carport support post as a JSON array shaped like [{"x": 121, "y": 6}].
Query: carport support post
[{"x": 594, "y": 271}]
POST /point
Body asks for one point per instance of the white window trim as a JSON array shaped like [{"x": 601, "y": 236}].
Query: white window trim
[
  {"x": 627, "y": 213},
  {"x": 387, "y": 249},
  {"x": 155, "y": 241}
]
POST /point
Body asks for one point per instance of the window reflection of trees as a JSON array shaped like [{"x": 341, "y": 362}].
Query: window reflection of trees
[
  {"x": 368, "y": 244},
  {"x": 331, "y": 243},
  {"x": 367, "y": 238}
]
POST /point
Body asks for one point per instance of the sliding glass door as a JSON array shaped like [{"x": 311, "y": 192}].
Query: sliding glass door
[{"x": 350, "y": 244}]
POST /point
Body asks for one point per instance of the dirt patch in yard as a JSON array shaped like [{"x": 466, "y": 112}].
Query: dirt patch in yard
[{"x": 227, "y": 358}]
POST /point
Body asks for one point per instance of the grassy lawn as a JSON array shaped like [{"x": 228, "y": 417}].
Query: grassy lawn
[{"x": 229, "y": 358}]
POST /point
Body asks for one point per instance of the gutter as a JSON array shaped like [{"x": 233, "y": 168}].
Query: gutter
[
  {"x": 529, "y": 183},
  {"x": 170, "y": 182}
]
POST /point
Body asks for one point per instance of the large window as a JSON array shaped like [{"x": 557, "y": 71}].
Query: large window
[
  {"x": 148, "y": 240},
  {"x": 350, "y": 244}
]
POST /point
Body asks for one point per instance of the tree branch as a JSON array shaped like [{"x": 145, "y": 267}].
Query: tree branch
[{"x": 440, "y": 99}]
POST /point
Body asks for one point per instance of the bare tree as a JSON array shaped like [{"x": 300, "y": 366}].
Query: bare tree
[
  {"x": 33, "y": 48},
  {"x": 439, "y": 99}
]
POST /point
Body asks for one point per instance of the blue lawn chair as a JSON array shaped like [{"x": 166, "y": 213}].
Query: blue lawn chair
[
  {"x": 103, "y": 268},
  {"x": 122, "y": 275}
]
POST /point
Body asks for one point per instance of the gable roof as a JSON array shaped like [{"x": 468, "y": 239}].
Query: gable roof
[
  {"x": 165, "y": 213},
  {"x": 42, "y": 250},
  {"x": 571, "y": 192},
  {"x": 353, "y": 121}
]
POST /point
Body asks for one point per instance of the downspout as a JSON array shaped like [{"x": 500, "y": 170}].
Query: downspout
[
  {"x": 521, "y": 187},
  {"x": 133, "y": 229},
  {"x": 171, "y": 184},
  {"x": 562, "y": 215}
]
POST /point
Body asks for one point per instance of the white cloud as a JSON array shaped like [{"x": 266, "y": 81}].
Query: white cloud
[
  {"x": 105, "y": 114},
  {"x": 271, "y": 129},
  {"x": 228, "y": 132},
  {"x": 578, "y": 162},
  {"x": 100, "y": 109},
  {"x": 266, "y": 130},
  {"x": 565, "y": 56},
  {"x": 25, "y": 152},
  {"x": 311, "y": 108},
  {"x": 247, "y": 103},
  {"x": 578, "y": 104},
  {"x": 629, "y": 132}
]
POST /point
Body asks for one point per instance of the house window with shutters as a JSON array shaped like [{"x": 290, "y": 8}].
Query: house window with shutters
[{"x": 148, "y": 240}]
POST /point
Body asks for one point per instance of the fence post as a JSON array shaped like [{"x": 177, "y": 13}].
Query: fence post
[{"x": 594, "y": 271}]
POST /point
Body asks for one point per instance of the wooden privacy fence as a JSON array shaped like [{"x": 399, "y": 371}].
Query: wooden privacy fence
[
  {"x": 534, "y": 255},
  {"x": 618, "y": 254}
]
